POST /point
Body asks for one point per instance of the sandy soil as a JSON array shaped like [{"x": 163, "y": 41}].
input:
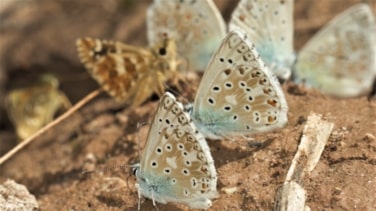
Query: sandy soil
[{"x": 103, "y": 136}]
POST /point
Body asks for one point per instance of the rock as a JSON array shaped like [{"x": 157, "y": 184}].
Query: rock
[{"x": 14, "y": 196}]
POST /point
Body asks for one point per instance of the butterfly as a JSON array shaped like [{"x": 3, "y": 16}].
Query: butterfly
[
  {"x": 238, "y": 94},
  {"x": 269, "y": 25},
  {"x": 340, "y": 60},
  {"x": 176, "y": 164},
  {"x": 130, "y": 73},
  {"x": 33, "y": 107},
  {"x": 196, "y": 26}
]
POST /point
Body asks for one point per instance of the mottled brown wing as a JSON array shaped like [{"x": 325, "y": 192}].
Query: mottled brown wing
[{"x": 114, "y": 65}]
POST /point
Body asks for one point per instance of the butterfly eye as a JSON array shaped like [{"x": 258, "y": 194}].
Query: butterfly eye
[
  {"x": 135, "y": 171},
  {"x": 162, "y": 51}
]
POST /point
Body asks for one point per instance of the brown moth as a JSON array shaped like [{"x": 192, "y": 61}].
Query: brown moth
[{"x": 130, "y": 73}]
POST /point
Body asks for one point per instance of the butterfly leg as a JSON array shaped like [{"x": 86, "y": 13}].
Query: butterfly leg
[
  {"x": 154, "y": 204},
  {"x": 143, "y": 90},
  {"x": 160, "y": 84},
  {"x": 178, "y": 77}
]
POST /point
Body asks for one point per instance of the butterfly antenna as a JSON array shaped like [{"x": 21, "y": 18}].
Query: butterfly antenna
[{"x": 62, "y": 117}]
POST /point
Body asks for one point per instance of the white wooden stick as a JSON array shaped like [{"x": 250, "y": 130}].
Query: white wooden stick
[{"x": 291, "y": 196}]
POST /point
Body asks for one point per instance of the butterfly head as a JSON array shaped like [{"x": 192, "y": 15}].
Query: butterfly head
[
  {"x": 165, "y": 49},
  {"x": 165, "y": 55},
  {"x": 135, "y": 168}
]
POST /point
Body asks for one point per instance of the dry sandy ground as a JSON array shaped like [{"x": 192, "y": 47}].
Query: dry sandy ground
[{"x": 103, "y": 136}]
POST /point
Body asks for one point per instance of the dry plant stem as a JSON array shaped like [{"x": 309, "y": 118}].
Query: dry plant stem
[{"x": 69, "y": 112}]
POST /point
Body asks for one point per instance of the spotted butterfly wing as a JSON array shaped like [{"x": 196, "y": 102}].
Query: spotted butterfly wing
[
  {"x": 269, "y": 25},
  {"x": 238, "y": 95},
  {"x": 176, "y": 165},
  {"x": 340, "y": 60},
  {"x": 196, "y": 26}
]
